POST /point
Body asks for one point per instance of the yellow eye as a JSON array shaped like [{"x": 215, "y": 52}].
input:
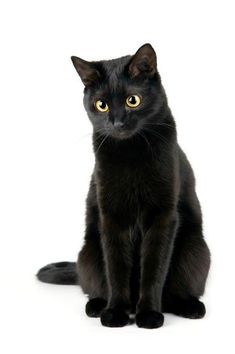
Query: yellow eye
[
  {"x": 101, "y": 106},
  {"x": 133, "y": 101}
]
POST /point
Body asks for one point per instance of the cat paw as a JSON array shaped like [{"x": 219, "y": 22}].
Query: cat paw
[
  {"x": 114, "y": 318},
  {"x": 95, "y": 306},
  {"x": 149, "y": 319},
  {"x": 193, "y": 309}
]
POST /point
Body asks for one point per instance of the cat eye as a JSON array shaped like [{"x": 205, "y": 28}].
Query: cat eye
[
  {"x": 101, "y": 106},
  {"x": 133, "y": 101}
]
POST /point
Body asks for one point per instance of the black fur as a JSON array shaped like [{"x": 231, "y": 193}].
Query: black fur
[
  {"x": 144, "y": 250},
  {"x": 59, "y": 273}
]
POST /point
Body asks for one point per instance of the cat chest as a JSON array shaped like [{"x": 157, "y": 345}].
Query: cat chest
[{"x": 128, "y": 191}]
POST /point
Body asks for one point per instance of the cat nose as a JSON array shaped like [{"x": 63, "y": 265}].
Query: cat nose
[{"x": 118, "y": 124}]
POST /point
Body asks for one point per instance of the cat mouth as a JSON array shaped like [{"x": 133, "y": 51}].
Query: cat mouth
[{"x": 121, "y": 134}]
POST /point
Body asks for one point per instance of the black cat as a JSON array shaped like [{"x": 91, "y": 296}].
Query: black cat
[{"x": 144, "y": 250}]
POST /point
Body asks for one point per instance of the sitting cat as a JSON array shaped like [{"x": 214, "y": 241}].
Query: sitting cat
[{"x": 144, "y": 250}]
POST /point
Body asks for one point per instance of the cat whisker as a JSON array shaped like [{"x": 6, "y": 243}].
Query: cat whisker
[
  {"x": 83, "y": 137},
  {"x": 146, "y": 140},
  {"x": 157, "y": 135},
  {"x": 160, "y": 124},
  {"x": 102, "y": 142}
]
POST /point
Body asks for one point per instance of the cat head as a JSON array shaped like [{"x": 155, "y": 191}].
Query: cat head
[{"x": 122, "y": 95}]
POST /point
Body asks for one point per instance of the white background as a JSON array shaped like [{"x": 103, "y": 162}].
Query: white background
[{"x": 46, "y": 160}]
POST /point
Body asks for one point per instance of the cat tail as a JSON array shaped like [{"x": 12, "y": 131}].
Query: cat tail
[{"x": 59, "y": 273}]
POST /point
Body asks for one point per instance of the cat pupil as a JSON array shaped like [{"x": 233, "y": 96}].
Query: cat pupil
[
  {"x": 132, "y": 100},
  {"x": 102, "y": 104}
]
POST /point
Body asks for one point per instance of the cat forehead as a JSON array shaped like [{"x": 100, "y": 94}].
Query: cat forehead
[
  {"x": 115, "y": 80},
  {"x": 114, "y": 73},
  {"x": 117, "y": 88},
  {"x": 115, "y": 67}
]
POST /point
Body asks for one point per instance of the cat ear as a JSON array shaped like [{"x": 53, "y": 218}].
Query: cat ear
[
  {"x": 143, "y": 62},
  {"x": 86, "y": 70}
]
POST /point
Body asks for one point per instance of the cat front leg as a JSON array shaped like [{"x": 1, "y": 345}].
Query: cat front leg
[
  {"x": 117, "y": 256},
  {"x": 156, "y": 252}
]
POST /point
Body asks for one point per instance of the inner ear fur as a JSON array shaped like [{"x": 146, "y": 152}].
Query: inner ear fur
[
  {"x": 144, "y": 61},
  {"x": 86, "y": 70}
]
